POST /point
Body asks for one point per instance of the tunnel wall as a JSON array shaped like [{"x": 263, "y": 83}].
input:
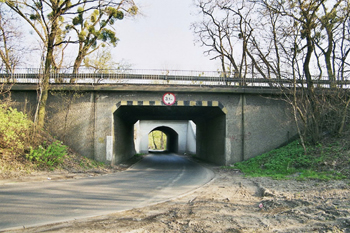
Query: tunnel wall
[
  {"x": 123, "y": 143},
  {"x": 191, "y": 138},
  {"x": 173, "y": 139},
  {"x": 254, "y": 123},
  {"x": 210, "y": 143}
]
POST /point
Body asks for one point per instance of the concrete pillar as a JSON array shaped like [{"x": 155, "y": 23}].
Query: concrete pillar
[
  {"x": 210, "y": 139},
  {"x": 123, "y": 144}
]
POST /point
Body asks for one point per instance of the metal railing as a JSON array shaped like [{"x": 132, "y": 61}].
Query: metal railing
[{"x": 157, "y": 77}]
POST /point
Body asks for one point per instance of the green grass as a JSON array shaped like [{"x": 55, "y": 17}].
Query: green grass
[{"x": 291, "y": 162}]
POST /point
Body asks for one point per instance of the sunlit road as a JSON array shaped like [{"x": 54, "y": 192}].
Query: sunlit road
[{"x": 156, "y": 178}]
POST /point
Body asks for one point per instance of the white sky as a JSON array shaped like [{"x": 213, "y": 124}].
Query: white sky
[{"x": 161, "y": 38}]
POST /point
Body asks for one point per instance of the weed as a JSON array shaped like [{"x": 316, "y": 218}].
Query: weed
[{"x": 48, "y": 155}]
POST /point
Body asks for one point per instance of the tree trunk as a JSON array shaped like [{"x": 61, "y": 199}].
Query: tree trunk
[
  {"x": 327, "y": 55},
  {"x": 77, "y": 63},
  {"x": 44, "y": 88},
  {"x": 154, "y": 143},
  {"x": 313, "y": 126},
  {"x": 344, "y": 115},
  {"x": 162, "y": 141},
  {"x": 78, "y": 60}
]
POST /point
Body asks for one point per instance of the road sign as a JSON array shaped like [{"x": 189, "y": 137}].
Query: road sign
[{"x": 169, "y": 98}]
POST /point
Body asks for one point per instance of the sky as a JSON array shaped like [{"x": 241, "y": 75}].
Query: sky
[{"x": 161, "y": 38}]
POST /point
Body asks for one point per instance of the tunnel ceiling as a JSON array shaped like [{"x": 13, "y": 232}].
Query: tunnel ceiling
[{"x": 194, "y": 113}]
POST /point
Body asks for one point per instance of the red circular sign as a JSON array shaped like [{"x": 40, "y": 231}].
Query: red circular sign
[{"x": 169, "y": 98}]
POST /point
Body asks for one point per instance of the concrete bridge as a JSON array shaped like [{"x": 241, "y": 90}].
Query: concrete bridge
[{"x": 233, "y": 123}]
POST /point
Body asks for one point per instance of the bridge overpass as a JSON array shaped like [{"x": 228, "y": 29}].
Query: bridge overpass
[{"x": 234, "y": 122}]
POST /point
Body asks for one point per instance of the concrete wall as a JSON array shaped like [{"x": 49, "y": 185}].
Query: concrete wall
[
  {"x": 24, "y": 101},
  {"x": 191, "y": 138},
  {"x": 137, "y": 137},
  {"x": 243, "y": 126},
  {"x": 71, "y": 118},
  {"x": 267, "y": 125}
]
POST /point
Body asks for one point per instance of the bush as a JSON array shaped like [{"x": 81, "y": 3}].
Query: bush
[
  {"x": 15, "y": 129},
  {"x": 48, "y": 155}
]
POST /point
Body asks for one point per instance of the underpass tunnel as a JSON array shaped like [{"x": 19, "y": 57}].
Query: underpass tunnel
[
  {"x": 210, "y": 123},
  {"x": 172, "y": 137}
]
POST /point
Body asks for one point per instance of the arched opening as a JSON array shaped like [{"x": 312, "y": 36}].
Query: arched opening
[
  {"x": 170, "y": 139},
  {"x": 157, "y": 141}
]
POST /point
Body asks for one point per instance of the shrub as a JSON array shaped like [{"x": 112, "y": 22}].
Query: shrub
[
  {"x": 48, "y": 155},
  {"x": 15, "y": 129}
]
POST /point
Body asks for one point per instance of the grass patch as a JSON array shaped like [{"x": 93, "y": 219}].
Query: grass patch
[{"x": 322, "y": 162}]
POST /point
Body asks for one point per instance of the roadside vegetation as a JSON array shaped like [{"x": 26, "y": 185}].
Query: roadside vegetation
[
  {"x": 324, "y": 161},
  {"x": 25, "y": 149}
]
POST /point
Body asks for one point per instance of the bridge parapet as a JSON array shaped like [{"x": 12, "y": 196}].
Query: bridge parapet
[{"x": 160, "y": 77}]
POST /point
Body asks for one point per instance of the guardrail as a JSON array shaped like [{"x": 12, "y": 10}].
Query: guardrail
[{"x": 159, "y": 77}]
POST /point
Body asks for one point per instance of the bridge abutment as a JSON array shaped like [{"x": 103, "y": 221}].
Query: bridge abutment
[{"x": 230, "y": 126}]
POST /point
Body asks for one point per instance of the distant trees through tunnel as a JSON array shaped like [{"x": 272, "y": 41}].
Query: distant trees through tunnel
[
  {"x": 157, "y": 140},
  {"x": 164, "y": 138}
]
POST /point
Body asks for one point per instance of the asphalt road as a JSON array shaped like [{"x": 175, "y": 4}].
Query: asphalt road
[{"x": 155, "y": 179}]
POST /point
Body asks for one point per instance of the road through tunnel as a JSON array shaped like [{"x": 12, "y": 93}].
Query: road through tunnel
[{"x": 209, "y": 117}]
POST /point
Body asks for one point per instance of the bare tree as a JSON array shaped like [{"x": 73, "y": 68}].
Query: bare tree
[
  {"x": 220, "y": 32},
  {"x": 343, "y": 44},
  {"x": 292, "y": 40},
  {"x": 11, "y": 50}
]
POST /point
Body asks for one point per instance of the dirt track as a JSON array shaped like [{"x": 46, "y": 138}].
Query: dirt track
[{"x": 232, "y": 203}]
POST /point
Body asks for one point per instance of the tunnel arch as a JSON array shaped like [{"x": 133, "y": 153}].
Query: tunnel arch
[{"x": 172, "y": 138}]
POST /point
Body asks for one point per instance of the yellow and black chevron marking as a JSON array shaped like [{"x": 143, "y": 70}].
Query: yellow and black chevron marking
[{"x": 177, "y": 103}]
